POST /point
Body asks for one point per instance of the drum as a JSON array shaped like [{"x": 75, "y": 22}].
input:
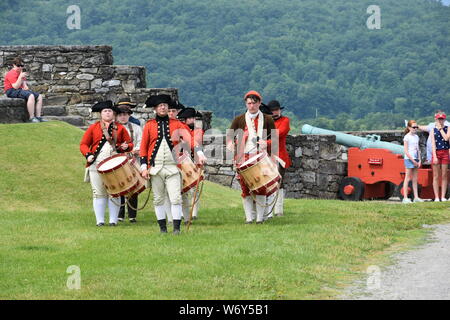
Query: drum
[
  {"x": 190, "y": 172},
  {"x": 260, "y": 174},
  {"x": 121, "y": 176}
]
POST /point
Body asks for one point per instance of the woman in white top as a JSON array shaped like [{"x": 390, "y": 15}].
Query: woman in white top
[{"x": 412, "y": 160}]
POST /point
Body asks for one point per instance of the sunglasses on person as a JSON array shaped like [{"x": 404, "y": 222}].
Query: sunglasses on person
[
  {"x": 20, "y": 65},
  {"x": 415, "y": 127}
]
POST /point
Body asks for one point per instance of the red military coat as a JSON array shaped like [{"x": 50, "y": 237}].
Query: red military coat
[
  {"x": 152, "y": 136},
  {"x": 282, "y": 125},
  {"x": 93, "y": 139}
]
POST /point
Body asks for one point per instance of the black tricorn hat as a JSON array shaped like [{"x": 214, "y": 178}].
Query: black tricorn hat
[
  {"x": 265, "y": 109},
  {"x": 176, "y": 105},
  {"x": 153, "y": 101},
  {"x": 126, "y": 102},
  {"x": 187, "y": 113},
  {"x": 124, "y": 109},
  {"x": 108, "y": 104},
  {"x": 274, "y": 105}
]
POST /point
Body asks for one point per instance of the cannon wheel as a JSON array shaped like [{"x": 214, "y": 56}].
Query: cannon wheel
[
  {"x": 351, "y": 188},
  {"x": 411, "y": 193}
]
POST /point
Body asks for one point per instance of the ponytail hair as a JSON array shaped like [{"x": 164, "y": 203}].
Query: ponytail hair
[{"x": 409, "y": 125}]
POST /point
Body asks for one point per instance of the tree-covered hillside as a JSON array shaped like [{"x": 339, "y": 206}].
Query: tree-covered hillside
[{"x": 319, "y": 58}]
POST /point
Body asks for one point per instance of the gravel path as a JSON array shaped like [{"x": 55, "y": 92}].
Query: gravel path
[{"x": 419, "y": 274}]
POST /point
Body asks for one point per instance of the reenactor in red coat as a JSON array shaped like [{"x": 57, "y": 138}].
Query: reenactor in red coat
[
  {"x": 189, "y": 116},
  {"x": 100, "y": 141},
  {"x": 174, "y": 108},
  {"x": 283, "y": 128},
  {"x": 163, "y": 140}
]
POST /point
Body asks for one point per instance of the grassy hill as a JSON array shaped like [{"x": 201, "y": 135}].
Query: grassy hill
[{"x": 47, "y": 225}]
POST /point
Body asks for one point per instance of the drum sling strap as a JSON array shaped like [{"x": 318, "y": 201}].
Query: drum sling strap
[{"x": 107, "y": 133}]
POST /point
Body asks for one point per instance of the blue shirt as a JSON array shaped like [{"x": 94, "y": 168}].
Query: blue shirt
[{"x": 441, "y": 144}]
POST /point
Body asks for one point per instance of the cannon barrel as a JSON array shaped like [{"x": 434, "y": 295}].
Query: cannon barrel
[{"x": 370, "y": 141}]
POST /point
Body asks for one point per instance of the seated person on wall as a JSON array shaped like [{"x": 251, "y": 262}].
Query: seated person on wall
[{"x": 16, "y": 87}]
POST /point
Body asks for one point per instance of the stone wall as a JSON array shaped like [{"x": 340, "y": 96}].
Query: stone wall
[{"x": 72, "y": 78}]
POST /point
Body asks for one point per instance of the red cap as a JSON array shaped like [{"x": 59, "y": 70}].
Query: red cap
[
  {"x": 440, "y": 116},
  {"x": 253, "y": 92}
]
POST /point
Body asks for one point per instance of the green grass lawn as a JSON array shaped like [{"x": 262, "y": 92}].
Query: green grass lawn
[{"x": 47, "y": 224}]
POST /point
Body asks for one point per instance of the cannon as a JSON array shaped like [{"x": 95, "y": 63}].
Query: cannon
[
  {"x": 348, "y": 140},
  {"x": 375, "y": 168}
]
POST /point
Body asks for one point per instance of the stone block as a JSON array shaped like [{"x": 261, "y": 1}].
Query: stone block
[
  {"x": 85, "y": 85},
  {"x": 111, "y": 83},
  {"x": 125, "y": 70},
  {"x": 310, "y": 164},
  {"x": 129, "y": 85},
  {"x": 56, "y": 100},
  {"x": 221, "y": 179},
  {"x": 322, "y": 181},
  {"x": 54, "y": 110},
  {"x": 96, "y": 84},
  {"x": 226, "y": 170},
  {"x": 75, "y": 99},
  {"x": 328, "y": 151},
  {"x": 89, "y": 70},
  {"x": 333, "y": 167},
  {"x": 13, "y": 110},
  {"x": 308, "y": 176},
  {"x": 102, "y": 90},
  {"x": 73, "y": 120},
  {"x": 85, "y": 76},
  {"x": 47, "y": 68},
  {"x": 61, "y": 59},
  {"x": 64, "y": 88}
]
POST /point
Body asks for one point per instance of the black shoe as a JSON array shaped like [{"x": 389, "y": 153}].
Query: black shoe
[
  {"x": 176, "y": 227},
  {"x": 194, "y": 218},
  {"x": 41, "y": 119},
  {"x": 162, "y": 225},
  {"x": 101, "y": 224},
  {"x": 120, "y": 219},
  {"x": 133, "y": 220},
  {"x": 112, "y": 224}
]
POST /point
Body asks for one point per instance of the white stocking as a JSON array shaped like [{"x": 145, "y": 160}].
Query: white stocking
[
  {"x": 160, "y": 212},
  {"x": 177, "y": 211},
  {"x": 99, "y": 209},
  {"x": 113, "y": 209},
  {"x": 260, "y": 209},
  {"x": 247, "y": 202}
]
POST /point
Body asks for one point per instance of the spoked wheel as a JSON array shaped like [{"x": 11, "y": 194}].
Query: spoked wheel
[
  {"x": 410, "y": 190},
  {"x": 351, "y": 188}
]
